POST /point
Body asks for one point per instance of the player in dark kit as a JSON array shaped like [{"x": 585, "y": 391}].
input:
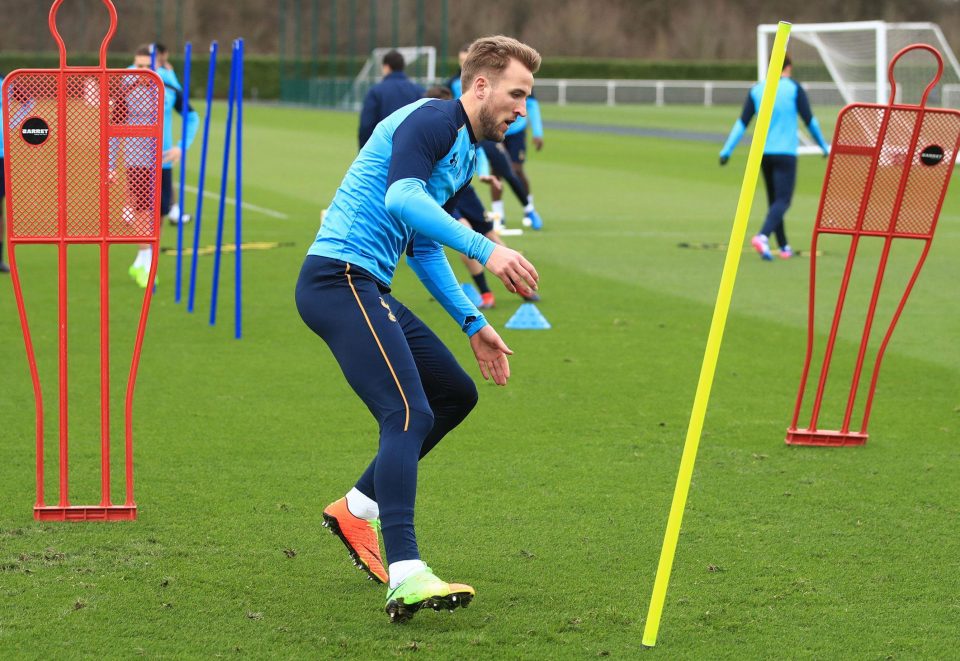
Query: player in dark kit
[
  {"x": 392, "y": 201},
  {"x": 387, "y": 96}
]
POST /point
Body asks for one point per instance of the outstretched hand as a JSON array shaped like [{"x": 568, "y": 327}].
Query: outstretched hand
[
  {"x": 724, "y": 159},
  {"x": 517, "y": 274},
  {"x": 491, "y": 353}
]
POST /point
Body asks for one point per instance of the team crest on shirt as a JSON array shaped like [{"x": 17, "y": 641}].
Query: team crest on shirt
[{"x": 389, "y": 311}]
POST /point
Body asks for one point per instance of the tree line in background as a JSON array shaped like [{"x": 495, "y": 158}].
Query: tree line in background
[{"x": 648, "y": 29}]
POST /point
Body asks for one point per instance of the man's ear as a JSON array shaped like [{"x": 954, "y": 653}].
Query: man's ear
[{"x": 480, "y": 87}]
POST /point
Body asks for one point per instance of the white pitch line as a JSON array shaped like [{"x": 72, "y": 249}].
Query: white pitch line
[{"x": 245, "y": 205}]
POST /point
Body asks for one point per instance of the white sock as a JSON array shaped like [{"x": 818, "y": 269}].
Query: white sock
[
  {"x": 361, "y": 506},
  {"x": 529, "y": 207},
  {"x": 143, "y": 258},
  {"x": 174, "y": 212},
  {"x": 497, "y": 208},
  {"x": 399, "y": 571}
]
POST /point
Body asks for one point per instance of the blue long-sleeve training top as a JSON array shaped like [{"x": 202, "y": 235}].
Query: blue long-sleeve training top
[
  {"x": 782, "y": 138},
  {"x": 135, "y": 105},
  {"x": 16, "y": 116},
  {"x": 173, "y": 100},
  {"x": 396, "y": 198}
]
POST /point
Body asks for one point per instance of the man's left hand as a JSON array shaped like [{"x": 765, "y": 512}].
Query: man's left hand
[
  {"x": 491, "y": 353},
  {"x": 538, "y": 143}
]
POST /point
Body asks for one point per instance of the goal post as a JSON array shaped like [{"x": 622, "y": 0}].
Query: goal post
[
  {"x": 854, "y": 57},
  {"x": 420, "y": 63}
]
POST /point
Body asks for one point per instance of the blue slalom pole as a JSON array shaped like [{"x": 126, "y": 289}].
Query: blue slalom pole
[
  {"x": 211, "y": 77},
  {"x": 238, "y": 306},
  {"x": 187, "y": 55},
  {"x": 223, "y": 188}
]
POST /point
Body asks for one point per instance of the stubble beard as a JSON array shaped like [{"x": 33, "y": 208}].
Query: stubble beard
[{"x": 489, "y": 126}]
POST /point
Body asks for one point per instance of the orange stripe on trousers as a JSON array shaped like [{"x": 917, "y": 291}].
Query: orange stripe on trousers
[{"x": 406, "y": 422}]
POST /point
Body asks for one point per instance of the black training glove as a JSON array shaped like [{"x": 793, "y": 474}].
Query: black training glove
[{"x": 724, "y": 159}]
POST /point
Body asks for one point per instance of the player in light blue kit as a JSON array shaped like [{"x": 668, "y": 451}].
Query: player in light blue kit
[
  {"x": 4, "y": 268},
  {"x": 393, "y": 200},
  {"x": 495, "y": 160},
  {"x": 19, "y": 112},
  {"x": 515, "y": 144},
  {"x": 131, "y": 104},
  {"x": 779, "y": 162},
  {"x": 169, "y": 76}
]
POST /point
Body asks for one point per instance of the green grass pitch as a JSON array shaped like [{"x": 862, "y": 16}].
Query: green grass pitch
[{"x": 552, "y": 498}]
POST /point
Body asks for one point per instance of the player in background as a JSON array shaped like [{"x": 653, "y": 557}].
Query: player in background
[
  {"x": 515, "y": 144},
  {"x": 137, "y": 163},
  {"x": 17, "y": 115},
  {"x": 494, "y": 160},
  {"x": 779, "y": 163},
  {"x": 169, "y": 76},
  {"x": 470, "y": 212},
  {"x": 164, "y": 68},
  {"x": 395, "y": 199},
  {"x": 387, "y": 96},
  {"x": 4, "y": 268}
]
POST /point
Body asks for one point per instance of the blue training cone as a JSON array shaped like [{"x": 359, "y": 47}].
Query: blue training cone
[
  {"x": 472, "y": 293},
  {"x": 528, "y": 317}
]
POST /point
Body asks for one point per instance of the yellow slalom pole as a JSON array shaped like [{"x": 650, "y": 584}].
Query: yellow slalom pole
[{"x": 720, "y": 310}]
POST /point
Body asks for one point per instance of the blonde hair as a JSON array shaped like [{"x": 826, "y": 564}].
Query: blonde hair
[{"x": 492, "y": 55}]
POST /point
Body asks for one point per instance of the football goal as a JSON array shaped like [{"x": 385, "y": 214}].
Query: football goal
[
  {"x": 854, "y": 56},
  {"x": 420, "y": 64}
]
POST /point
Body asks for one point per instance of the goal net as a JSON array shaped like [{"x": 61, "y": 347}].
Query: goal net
[
  {"x": 848, "y": 63},
  {"x": 854, "y": 57}
]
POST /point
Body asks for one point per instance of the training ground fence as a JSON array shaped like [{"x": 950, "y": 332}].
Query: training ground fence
[{"x": 347, "y": 93}]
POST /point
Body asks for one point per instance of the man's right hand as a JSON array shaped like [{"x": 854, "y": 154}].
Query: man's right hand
[
  {"x": 517, "y": 274},
  {"x": 724, "y": 159}
]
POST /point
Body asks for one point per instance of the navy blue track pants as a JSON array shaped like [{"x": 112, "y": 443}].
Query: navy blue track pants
[
  {"x": 409, "y": 380},
  {"x": 780, "y": 176}
]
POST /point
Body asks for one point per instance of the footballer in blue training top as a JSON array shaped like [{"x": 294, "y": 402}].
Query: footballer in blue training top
[
  {"x": 496, "y": 161},
  {"x": 137, "y": 151},
  {"x": 779, "y": 163},
  {"x": 391, "y": 203}
]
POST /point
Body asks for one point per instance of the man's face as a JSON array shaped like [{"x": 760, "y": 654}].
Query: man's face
[
  {"x": 141, "y": 61},
  {"x": 505, "y": 100}
]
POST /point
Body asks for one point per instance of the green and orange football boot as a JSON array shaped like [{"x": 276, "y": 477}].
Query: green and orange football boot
[
  {"x": 424, "y": 590},
  {"x": 361, "y": 537}
]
